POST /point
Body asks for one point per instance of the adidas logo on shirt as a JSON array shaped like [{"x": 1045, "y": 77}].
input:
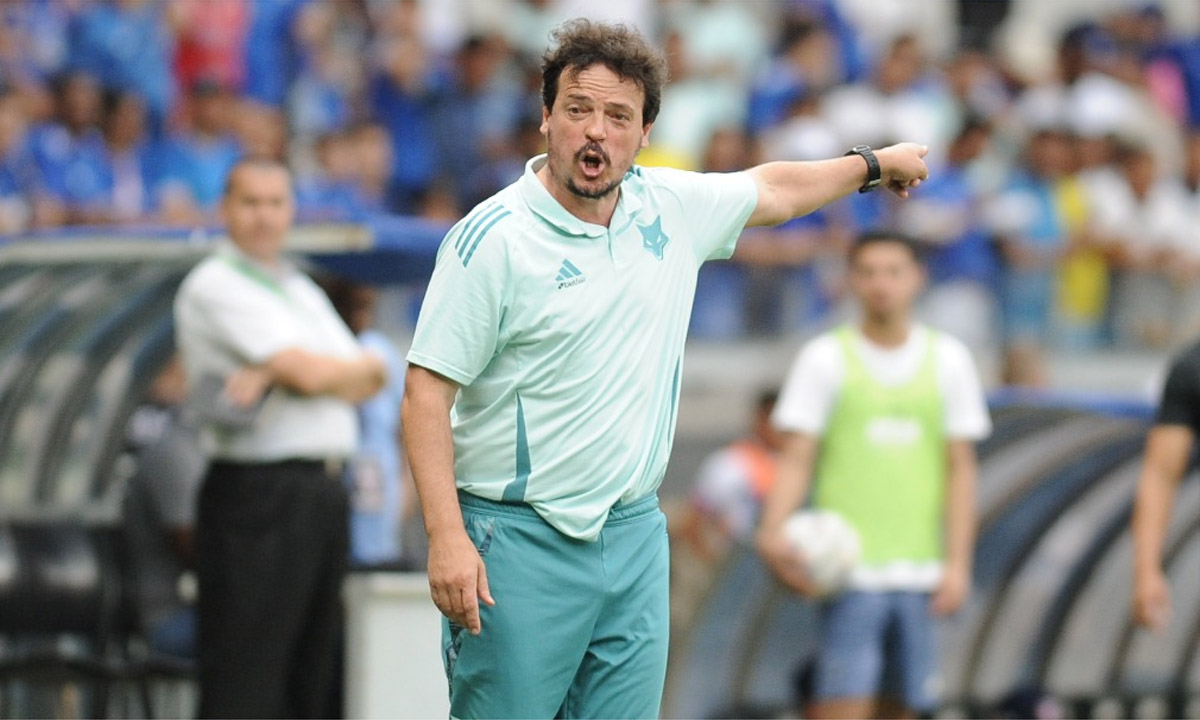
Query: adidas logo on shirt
[{"x": 569, "y": 275}]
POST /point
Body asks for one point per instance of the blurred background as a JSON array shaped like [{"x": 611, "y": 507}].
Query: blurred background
[
  {"x": 1064, "y": 154},
  {"x": 1061, "y": 222}
]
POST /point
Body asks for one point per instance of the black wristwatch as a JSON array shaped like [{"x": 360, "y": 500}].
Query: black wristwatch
[{"x": 874, "y": 173}]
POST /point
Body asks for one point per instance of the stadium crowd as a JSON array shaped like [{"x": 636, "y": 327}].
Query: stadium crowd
[{"x": 1061, "y": 210}]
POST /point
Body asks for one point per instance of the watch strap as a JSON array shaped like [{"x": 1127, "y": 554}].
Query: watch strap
[{"x": 874, "y": 172}]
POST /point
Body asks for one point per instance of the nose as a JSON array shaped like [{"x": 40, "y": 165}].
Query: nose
[{"x": 595, "y": 129}]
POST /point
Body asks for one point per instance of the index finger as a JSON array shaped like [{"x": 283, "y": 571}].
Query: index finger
[{"x": 470, "y": 611}]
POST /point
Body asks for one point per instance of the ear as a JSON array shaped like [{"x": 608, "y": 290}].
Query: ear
[
  {"x": 646, "y": 135},
  {"x": 545, "y": 128}
]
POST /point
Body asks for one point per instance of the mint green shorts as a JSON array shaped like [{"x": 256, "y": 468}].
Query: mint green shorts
[{"x": 579, "y": 629}]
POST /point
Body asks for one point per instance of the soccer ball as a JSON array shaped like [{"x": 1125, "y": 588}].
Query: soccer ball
[{"x": 828, "y": 544}]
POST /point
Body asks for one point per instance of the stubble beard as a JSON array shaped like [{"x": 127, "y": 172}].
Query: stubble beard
[{"x": 596, "y": 194}]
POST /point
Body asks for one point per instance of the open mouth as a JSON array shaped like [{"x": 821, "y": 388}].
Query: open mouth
[{"x": 592, "y": 162}]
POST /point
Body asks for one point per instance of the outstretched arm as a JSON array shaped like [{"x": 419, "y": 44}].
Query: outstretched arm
[{"x": 791, "y": 189}]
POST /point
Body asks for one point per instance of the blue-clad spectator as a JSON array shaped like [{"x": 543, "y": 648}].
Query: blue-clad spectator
[
  {"x": 329, "y": 78},
  {"x": 1026, "y": 219},
  {"x": 375, "y": 477},
  {"x": 127, "y": 45},
  {"x": 373, "y": 166},
  {"x": 130, "y": 156},
  {"x": 33, "y": 40},
  {"x": 194, "y": 163},
  {"x": 852, "y": 56},
  {"x": 318, "y": 102},
  {"x": 72, "y": 157},
  {"x": 960, "y": 258},
  {"x": 806, "y": 64},
  {"x": 474, "y": 116},
  {"x": 334, "y": 192},
  {"x": 271, "y": 57},
  {"x": 400, "y": 98},
  {"x": 18, "y": 172}
]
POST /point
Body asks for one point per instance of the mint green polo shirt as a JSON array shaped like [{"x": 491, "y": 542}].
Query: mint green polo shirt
[{"x": 567, "y": 338}]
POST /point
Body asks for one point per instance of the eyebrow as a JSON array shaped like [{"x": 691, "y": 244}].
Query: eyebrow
[{"x": 590, "y": 99}]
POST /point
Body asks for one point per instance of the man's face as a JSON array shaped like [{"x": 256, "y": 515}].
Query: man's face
[
  {"x": 594, "y": 131},
  {"x": 81, "y": 101},
  {"x": 258, "y": 210},
  {"x": 1141, "y": 172},
  {"x": 886, "y": 279},
  {"x": 212, "y": 112},
  {"x": 126, "y": 124},
  {"x": 12, "y": 123}
]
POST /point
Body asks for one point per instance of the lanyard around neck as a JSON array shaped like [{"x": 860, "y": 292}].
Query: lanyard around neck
[{"x": 256, "y": 274}]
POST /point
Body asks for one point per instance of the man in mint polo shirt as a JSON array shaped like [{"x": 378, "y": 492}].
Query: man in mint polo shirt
[
  {"x": 882, "y": 417},
  {"x": 543, "y": 383}
]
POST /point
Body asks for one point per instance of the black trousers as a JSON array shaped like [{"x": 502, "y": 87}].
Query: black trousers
[{"x": 271, "y": 554}]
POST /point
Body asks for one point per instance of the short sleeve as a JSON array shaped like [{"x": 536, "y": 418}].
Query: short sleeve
[
  {"x": 1180, "y": 403},
  {"x": 459, "y": 326},
  {"x": 811, "y": 388},
  {"x": 716, "y": 207},
  {"x": 964, "y": 402}
]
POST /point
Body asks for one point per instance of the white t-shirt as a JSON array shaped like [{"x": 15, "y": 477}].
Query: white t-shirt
[
  {"x": 226, "y": 317},
  {"x": 811, "y": 391},
  {"x": 1160, "y": 221},
  {"x": 816, "y": 377}
]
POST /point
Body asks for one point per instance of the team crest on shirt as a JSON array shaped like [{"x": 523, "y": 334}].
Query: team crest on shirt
[{"x": 653, "y": 238}]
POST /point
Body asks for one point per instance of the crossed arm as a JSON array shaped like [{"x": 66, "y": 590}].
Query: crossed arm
[{"x": 307, "y": 373}]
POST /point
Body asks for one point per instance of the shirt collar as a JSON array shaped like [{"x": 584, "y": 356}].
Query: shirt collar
[
  {"x": 279, "y": 272},
  {"x": 543, "y": 203}
]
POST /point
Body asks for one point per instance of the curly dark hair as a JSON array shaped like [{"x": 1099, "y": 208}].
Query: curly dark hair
[{"x": 580, "y": 44}]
